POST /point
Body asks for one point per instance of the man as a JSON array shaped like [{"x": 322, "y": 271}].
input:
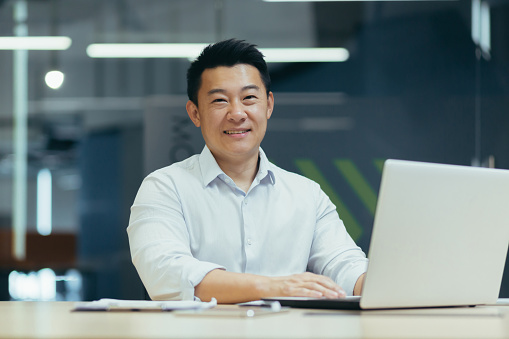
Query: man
[{"x": 227, "y": 223}]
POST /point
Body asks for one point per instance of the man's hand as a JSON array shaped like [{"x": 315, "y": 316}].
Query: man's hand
[
  {"x": 230, "y": 287},
  {"x": 305, "y": 285}
]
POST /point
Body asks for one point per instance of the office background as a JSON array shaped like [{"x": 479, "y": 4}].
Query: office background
[{"x": 422, "y": 80}]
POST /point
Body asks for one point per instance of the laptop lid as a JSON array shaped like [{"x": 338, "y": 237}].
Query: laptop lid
[{"x": 440, "y": 236}]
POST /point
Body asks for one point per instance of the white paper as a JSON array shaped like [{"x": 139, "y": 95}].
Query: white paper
[{"x": 142, "y": 305}]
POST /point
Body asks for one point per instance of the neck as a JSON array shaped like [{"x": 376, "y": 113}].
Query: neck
[{"x": 241, "y": 172}]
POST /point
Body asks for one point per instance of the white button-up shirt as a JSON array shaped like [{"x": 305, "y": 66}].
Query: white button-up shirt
[{"x": 190, "y": 218}]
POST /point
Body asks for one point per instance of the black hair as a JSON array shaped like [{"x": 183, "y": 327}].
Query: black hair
[{"x": 225, "y": 53}]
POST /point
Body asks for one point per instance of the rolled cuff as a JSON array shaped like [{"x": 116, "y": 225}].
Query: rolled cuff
[
  {"x": 194, "y": 276},
  {"x": 354, "y": 272}
]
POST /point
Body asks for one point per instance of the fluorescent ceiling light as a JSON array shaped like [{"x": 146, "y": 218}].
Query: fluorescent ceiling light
[
  {"x": 186, "y": 51},
  {"x": 305, "y": 54},
  {"x": 340, "y": 0},
  {"x": 45, "y": 43},
  {"x": 303, "y": 0},
  {"x": 191, "y": 51}
]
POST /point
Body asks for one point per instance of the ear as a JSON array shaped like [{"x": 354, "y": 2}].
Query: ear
[
  {"x": 192, "y": 111},
  {"x": 270, "y": 105}
]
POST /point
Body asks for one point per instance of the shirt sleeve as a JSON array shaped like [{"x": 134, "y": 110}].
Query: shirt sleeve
[
  {"x": 159, "y": 242},
  {"x": 333, "y": 252}
]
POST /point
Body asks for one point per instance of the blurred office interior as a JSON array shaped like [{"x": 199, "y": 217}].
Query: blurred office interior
[{"x": 417, "y": 80}]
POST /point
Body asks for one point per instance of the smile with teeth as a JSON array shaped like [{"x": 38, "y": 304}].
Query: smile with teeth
[{"x": 237, "y": 132}]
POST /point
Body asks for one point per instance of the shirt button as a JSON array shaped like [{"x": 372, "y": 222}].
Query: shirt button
[{"x": 249, "y": 242}]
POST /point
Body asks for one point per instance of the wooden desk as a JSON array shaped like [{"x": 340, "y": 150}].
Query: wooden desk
[{"x": 55, "y": 320}]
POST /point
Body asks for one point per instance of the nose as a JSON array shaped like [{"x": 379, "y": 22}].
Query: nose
[{"x": 236, "y": 112}]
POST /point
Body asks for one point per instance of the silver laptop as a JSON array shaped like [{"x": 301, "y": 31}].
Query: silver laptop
[{"x": 440, "y": 238}]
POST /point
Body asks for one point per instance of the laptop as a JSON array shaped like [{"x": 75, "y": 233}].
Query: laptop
[{"x": 440, "y": 238}]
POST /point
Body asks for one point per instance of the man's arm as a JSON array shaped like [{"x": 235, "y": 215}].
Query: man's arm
[
  {"x": 334, "y": 253},
  {"x": 357, "y": 290},
  {"x": 230, "y": 287}
]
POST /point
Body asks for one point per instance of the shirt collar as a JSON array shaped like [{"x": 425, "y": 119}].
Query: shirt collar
[
  {"x": 264, "y": 169},
  {"x": 210, "y": 169}
]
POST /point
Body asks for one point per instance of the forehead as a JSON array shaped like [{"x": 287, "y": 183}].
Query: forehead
[{"x": 225, "y": 77}]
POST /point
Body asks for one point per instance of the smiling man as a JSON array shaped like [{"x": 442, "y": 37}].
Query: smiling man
[
  {"x": 228, "y": 224},
  {"x": 232, "y": 113}
]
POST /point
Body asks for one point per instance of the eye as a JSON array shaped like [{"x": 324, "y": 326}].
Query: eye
[
  {"x": 250, "y": 97},
  {"x": 219, "y": 100}
]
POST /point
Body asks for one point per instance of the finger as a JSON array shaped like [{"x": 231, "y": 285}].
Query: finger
[
  {"x": 326, "y": 291},
  {"x": 305, "y": 292},
  {"x": 329, "y": 288}
]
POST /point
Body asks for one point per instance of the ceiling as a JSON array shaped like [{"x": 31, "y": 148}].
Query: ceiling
[{"x": 103, "y": 93}]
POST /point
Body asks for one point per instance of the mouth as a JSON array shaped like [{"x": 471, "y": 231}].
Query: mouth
[{"x": 237, "y": 132}]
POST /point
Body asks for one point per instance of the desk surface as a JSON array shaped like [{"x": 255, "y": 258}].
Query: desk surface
[{"x": 55, "y": 320}]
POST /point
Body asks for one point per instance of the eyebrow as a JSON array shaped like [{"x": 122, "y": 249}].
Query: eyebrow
[
  {"x": 220, "y": 90},
  {"x": 216, "y": 90},
  {"x": 245, "y": 88}
]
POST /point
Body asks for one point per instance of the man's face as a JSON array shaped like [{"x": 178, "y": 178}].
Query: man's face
[{"x": 232, "y": 111}]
